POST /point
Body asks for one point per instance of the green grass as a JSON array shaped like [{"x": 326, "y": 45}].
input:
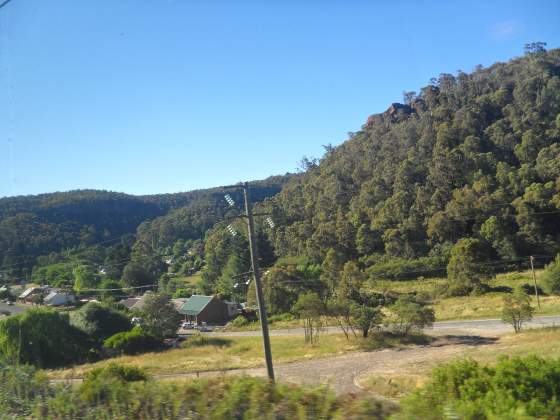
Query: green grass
[
  {"x": 488, "y": 305},
  {"x": 190, "y": 280},
  {"x": 209, "y": 353}
]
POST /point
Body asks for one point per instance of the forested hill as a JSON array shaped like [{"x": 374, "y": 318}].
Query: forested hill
[
  {"x": 33, "y": 226},
  {"x": 470, "y": 155}
]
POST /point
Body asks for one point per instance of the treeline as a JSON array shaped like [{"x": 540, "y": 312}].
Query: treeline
[{"x": 37, "y": 231}]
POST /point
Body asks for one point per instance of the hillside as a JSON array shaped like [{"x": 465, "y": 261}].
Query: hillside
[
  {"x": 33, "y": 226},
  {"x": 470, "y": 155}
]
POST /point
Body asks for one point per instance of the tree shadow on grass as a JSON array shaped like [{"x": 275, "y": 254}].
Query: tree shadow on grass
[
  {"x": 389, "y": 339},
  {"x": 201, "y": 341},
  {"x": 469, "y": 340}
]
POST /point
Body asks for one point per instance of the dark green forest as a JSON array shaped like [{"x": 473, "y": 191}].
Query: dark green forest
[{"x": 100, "y": 227}]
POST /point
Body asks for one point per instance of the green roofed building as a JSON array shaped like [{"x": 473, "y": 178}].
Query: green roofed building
[{"x": 209, "y": 309}]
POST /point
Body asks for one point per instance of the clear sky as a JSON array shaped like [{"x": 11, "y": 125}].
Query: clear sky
[{"x": 152, "y": 96}]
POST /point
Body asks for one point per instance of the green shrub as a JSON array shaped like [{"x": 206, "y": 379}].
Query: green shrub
[
  {"x": 44, "y": 338},
  {"x": 393, "y": 268},
  {"x": 131, "y": 342},
  {"x": 100, "y": 320},
  {"x": 183, "y": 293},
  {"x": 515, "y": 388},
  {"x": 517, "y": 309},
  {"x": 409, "y": 314},
  {"x": 285, "y": 317},
  {"x": 21, "y": 384},
  {"x": 466, "y": 270},
  {"x": 550, "y": 278},
  {"x": 124, "y": 393},
  {"x": 109, "y": 382},
  {"x": 120, "y": 372},
  {"x": 239, "y": 321}
]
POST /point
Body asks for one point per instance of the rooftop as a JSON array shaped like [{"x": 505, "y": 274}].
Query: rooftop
[{"x": 195, "y": 304}]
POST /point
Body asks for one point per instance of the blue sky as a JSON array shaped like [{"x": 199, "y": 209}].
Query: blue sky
[{"x": 153, "y": 96}]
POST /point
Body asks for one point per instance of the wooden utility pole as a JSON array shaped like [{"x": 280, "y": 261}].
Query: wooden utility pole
[
  {"x": 258, "y": 285},
  {"x": 531, "y": 258}
]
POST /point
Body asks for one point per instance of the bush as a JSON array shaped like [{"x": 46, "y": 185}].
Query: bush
[
  {"x": 404, "y": 269},
  {"x": 183, "y": 293},
  {"x": 466, "y": 270},
  {"x": 409, "y": 314},
  {"x": 100, "y": 320},
  {"x": 517, "y": 309},
  {"x": 111, "y": 394},
  {"x": 21, "y": 384},
  {"x": 120, "y": 372},
  {"x": 550, "y": 278},
  {"x": 238, "y": 322},
  {"x": 159, "y": 316},
  {"x": 44, "y": 338},
  {"x": 131, "y": 342},
  {"x": 109, "y": 382},
  {"x": 514, "y": 388},
  {"x": 285, "y": 317}
]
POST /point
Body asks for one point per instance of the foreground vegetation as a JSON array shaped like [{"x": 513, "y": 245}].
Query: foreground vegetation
[
  {"x": 540, "y": 342},
  {"x": 512, "y": 388},
  {"x": 120, "y": 392}
]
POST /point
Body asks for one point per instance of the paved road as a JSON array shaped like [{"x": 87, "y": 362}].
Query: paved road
[
  {"x": 13, "y": 309},
  {"x": 479, "y": 326}
]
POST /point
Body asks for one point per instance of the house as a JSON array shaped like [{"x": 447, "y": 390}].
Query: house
[
  {"x": 128, "y": 303},
  {"x": 209, "y": 309},
  {"x": 31, "y": 295},
  {"x": 59, "y": 298},
  {"x": 178, "y": 302}
]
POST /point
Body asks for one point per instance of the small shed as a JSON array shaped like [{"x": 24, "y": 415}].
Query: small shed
[{"x": 209, "y": 309}]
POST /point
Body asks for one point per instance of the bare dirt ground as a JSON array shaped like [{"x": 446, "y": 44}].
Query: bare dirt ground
[{"x": 343, "y": 373}]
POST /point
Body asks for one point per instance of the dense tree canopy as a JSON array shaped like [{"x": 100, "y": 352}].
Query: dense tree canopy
[
  {"x": 471, "y": 155},
  {"x": 89, "y": 226}
]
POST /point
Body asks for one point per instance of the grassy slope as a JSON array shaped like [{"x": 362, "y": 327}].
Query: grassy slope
[
  {"x": 223, "y": 354},
  {"x": 488, "y": 305},
  {"x": 214, "y": 354}
]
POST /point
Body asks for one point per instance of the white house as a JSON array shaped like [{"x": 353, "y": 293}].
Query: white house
[{"x": 58, "y": 298}]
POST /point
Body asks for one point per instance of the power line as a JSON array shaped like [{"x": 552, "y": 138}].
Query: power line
[{"x": 5, "y": 3}]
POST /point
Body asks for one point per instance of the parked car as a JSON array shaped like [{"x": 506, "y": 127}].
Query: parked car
[
  {"x": 203, "y": 327},
  {"x": 187, "y": 325}
]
